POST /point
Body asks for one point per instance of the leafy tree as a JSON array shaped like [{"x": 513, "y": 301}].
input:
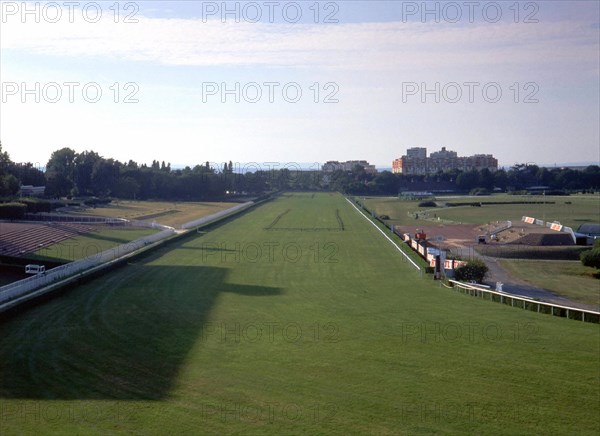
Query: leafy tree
[
  {"x": 591, "y": 177},
  {"x": 544, "y": 177},
  {"x": 468, "y": 180},
  {"x": 132, "y": 165},
  {"x": 27, "y": 174},
  {"x": 105, "y": 177},
  {"x": 569, "y": 179},
  {"x": 474, "y": 270},
  {"x": 4, "y": 160},
  {"x": 386, "y": 183},
  {"x": 359, "y": 173},
  {"x": 83, "y": 166},
  {"x": 340, "y": 181},
  {"x": 591, "y": 258},
  {"x": 486, "y": 179},
  {"x": 59, "y": 172},
  {"x": 7, "y": 181},
  {"x": 127, "y": 187},
  {"x": 9, "y": 185},
  {"x": 522, "y": 176}
]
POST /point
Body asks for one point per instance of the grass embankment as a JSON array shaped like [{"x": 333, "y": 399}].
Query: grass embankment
[{"x": 567, "y": 278}]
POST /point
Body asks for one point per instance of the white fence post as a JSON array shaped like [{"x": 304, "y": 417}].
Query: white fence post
[{"x": 469, "y": 288}]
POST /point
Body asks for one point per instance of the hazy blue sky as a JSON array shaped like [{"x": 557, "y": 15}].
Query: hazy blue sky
[{"x": 370, "y": 60}]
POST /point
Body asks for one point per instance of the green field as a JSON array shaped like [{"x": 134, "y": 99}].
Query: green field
[
  {"x": 90, "y": 244},
  {"x": 163, "y": 212},
  {"x": 567, "y": 278},
  {"x": 582, "y": 209},
  {"x": 248, "y": 330}
]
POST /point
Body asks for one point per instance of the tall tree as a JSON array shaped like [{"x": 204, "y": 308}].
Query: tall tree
[
  {"x": 83, "y": 166},
  {"x": 59, "y": 172}
]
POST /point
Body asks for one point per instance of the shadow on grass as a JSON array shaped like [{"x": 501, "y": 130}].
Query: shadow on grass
[{"x": 123, "y": 336}]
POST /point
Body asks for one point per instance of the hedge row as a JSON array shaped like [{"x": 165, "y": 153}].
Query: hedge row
[
  {"x": 35, "y": 206},
  {"x": 491, "y": 203},
  {"x": 12, "y": 211},
  {"x": 97, "y": 201},
  {"x": 16, "y": 210}
]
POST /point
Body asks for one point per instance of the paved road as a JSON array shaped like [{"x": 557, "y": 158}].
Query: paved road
[{"x": 515, "y": 286}]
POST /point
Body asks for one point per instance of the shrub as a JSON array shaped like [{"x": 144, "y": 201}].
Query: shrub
[
  {"x": 35, "y": 205},
  {"x": 591, "y": 258},
  {"x": 474, "y": 270},
  {"x": 428, "y": 204}
]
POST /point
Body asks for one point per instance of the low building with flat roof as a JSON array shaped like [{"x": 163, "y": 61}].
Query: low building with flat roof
[{"x": 32, "y": 191}]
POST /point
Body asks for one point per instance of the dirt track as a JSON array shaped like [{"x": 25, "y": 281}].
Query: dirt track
[
  {"x": 461, "y": 239},
  {"x": 512, "y": 285},
  {"x": 459, "y": 233}
]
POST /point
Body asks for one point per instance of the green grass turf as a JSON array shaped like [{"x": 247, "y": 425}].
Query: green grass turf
[
  {"x": 352, "y": 341},
  {"x": 567, "y": 278},
  {"x": 90, "y": 244},
  {"x": 582, "y": 209}
]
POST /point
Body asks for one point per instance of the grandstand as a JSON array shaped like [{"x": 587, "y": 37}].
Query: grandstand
[{"x": 17, "y": 239}]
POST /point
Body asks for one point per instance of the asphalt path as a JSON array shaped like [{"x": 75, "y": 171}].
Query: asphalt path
[{"x": 515, "y": 286}]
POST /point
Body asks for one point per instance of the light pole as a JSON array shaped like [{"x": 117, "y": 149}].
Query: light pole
[{"x": 544, "y": 206}]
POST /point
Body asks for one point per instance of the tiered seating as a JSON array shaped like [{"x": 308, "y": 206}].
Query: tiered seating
[{"x": 32, "y": 238}]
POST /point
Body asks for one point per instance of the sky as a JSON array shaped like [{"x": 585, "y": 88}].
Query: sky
[{"x": 300, "y": 82}]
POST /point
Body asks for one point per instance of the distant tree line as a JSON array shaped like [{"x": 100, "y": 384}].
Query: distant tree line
[
  {"x": 518, "y": 178},
  {"x": 87, "y": 174},
  {"x": 13, "y": 175}
]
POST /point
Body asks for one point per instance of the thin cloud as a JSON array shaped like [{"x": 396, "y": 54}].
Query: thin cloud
[{"x": 362, "y": 46}]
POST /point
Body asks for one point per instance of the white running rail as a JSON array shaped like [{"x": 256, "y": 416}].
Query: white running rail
[{"x": 386, "y": 236}]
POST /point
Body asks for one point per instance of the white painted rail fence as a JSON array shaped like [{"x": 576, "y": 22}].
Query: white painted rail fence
[
  {"x": 21, "y": 288},
  {"x": 386, "y": 236},
  {"x": 555, "y": 309}
]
